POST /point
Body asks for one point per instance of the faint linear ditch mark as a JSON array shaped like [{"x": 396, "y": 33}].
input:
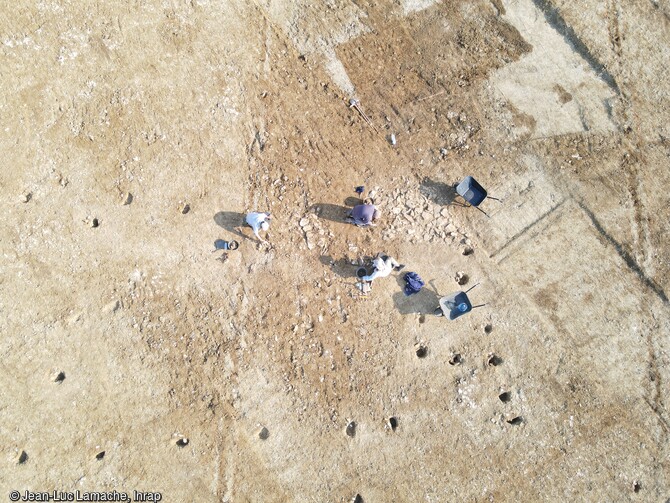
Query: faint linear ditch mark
[
  {"x": 632, "y": 158},
  {"x": 557, "y": 22},
  {"x": 614, "y": 28},
  {"x": 656, "y": 378},
  {"x": 630, "y": 261},
  {"x": 527, "y": 228},
  {"x": 658, "y": 7},
  {"x": 663, "y": 421}
]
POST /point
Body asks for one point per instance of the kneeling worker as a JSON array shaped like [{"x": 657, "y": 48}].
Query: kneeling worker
[
  {"x": 364, "y": 214},
  {"x": 259, "y": 221},
  {"x": 383, "y": 265}
]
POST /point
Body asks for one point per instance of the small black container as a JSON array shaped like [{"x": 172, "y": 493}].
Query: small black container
[{"x": 221, "y": 244}]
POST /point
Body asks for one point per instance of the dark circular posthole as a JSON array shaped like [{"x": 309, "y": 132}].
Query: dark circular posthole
[
  {"x": 456, "y": 359},
  {"x": 422, "y": 318},
  {"x": 468, "y": 251},
  {"x": 100, "y": 455},
  {"x": 515, "y": 421},
  {"x": 95, "y": 223},
  {"x": 488, "y": 328},
  {"x": 505, "y": 397},
  {"x": 182, "y": 442},
  {"x": 357, "y": 499},
  {"x": 351, "y": 429},
  {"x": 637, "y": 486},
  {"x": 264, "y": 433},
  {"x": 494, "y": 360},
  {"x": 462, "y": 278},
  {"x": 59, "y": 377},
  {"x": 421, "y": 350},
  {"x": 393, "y": 423}
]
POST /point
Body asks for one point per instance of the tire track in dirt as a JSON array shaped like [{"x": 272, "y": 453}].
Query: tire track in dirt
[
  {"x": 634, "y": 149},
  {"x": 556, "y": 21},
  {"x": 656, "y": 400},
  {"x": 663, "y": 10},
  {"x": 630, "y": 261}
]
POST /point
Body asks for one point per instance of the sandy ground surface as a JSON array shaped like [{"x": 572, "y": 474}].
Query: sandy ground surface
[{"x": 121, "y": 113}]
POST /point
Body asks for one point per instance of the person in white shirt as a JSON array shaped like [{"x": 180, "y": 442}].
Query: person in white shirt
[
  {"x": 258, "y": 221},
  {"x": 383, "y": 265}
]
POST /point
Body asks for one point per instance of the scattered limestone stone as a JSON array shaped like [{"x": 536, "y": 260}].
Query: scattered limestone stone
[
  {"x": 461, "y": 278},
  {"x": 364, "y": 287},
  {"x": 112, "y": 306}
]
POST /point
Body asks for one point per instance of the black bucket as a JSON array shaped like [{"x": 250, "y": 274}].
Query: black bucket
[{"x": 221, "y": 244}]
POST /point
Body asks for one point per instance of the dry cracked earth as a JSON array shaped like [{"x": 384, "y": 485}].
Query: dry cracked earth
[{"x": 135, "y": 357}]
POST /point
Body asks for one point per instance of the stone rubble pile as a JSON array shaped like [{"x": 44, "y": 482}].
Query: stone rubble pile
[
  {"x": 315, "y": 235},
  {"x": 410, "y": 213}
]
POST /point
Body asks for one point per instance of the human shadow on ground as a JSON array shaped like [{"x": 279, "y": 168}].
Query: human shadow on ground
[
  {"x": 352, "y": 201},
  {"x": 232, "y": 221},
  {"x": 343, "y": 267},
  {"x": 332, "y": 212},
  {"x": 438, "y": 192},
  {"x": 423, "y": 302}
]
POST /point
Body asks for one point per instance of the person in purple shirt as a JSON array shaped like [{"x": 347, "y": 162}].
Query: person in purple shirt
[{"x": 364, "y": 214}]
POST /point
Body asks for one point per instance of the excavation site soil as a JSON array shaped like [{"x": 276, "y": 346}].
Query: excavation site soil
[{"x": 139, "y": 356}]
